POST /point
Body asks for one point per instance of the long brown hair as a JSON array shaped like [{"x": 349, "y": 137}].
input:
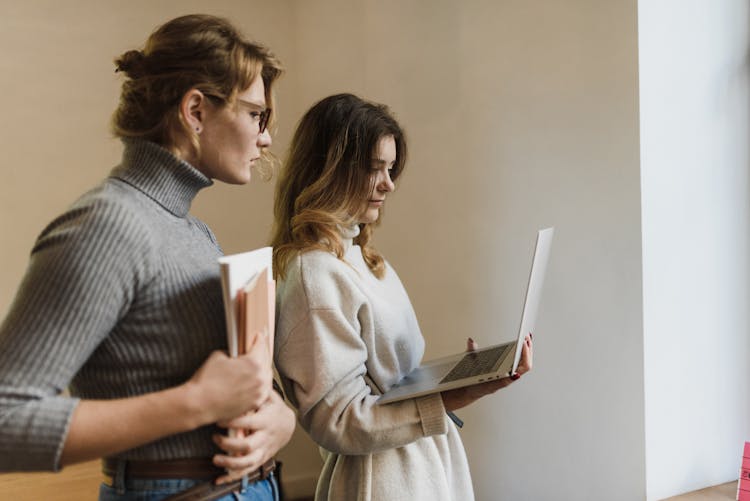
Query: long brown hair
[
  {"x": 195, "y": 51},
  {"x": 327, "y": 178}
]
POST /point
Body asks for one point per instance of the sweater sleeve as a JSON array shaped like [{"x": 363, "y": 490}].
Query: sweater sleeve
[
  {"x": 323, "y": 364},
  {"x": 80, "y": 280}
]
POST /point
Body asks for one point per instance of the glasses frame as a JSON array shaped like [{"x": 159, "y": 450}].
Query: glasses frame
[{"x": 265, "y": 114}]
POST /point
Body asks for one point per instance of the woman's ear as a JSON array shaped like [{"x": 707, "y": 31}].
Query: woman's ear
[{"x": 193, "y": 109}]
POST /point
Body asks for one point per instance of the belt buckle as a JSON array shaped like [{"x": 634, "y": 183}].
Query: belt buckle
[
  {"x": 267, "y": 468},
  {"x": 108, "y": 480}
]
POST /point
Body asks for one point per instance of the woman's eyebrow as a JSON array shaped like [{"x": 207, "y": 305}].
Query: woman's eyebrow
[
  {"x": 382, "y": 161},
  {"x": 253, "y": 104}
]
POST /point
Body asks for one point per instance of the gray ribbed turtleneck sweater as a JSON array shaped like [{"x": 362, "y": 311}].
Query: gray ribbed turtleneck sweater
[{"x": 121, "y": 297}]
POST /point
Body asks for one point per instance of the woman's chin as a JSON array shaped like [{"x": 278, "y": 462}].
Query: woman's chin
[
  {"x": 242, "y": 177},
  {"x": 369, "y": 217}
]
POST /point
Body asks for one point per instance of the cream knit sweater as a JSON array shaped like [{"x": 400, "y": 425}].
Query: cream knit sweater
[{"x": 343, "y": 337}]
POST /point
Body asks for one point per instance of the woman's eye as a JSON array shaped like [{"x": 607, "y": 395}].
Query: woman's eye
[{"x": 255, "y": 115}]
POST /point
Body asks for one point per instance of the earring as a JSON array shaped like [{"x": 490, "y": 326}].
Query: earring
[{"x": 198, "y": 130}]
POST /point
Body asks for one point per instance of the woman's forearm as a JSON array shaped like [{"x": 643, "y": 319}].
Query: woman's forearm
[
  {"x": 222, "y": 388},
  {"x": 99, "y": 428}
]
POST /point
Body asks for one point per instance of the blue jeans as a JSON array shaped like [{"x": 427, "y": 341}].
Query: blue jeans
[{"x": 141, "y": 489}]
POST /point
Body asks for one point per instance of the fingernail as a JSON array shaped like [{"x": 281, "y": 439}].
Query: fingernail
[
  {"x": 531, "y": 336},
  {"x": 471, "y": 341},
  {"x": 515, "y": 377}
]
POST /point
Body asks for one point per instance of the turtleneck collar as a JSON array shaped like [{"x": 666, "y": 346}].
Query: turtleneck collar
[
  {"x": 348, "y": 234},
  {"x": 171, "y": 182}
]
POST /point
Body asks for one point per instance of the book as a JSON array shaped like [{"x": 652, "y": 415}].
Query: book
[
  {"x": 256, "y": 303},
  {"x": 249, "y": 293},
  {"x": 743, "y": 484}
]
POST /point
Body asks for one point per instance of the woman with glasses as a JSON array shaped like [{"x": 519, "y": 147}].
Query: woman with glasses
[
  {"x": 346, "y": 330},
  {"x": 122, "y": 303}
]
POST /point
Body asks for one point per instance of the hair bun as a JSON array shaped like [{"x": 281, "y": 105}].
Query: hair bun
[{"x": 131, "y": 63}]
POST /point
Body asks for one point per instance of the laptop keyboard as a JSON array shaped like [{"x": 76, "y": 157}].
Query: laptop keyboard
[{"x": 476, "y": 363}]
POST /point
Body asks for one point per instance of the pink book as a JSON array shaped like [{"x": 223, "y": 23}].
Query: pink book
[{"x": 743, "y": 484}]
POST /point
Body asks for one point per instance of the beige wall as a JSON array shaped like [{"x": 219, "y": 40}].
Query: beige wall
[{"x": 520, "y": 114}]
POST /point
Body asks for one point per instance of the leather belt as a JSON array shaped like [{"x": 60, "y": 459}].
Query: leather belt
[
  {"x": 199, "y": 469},
  {"x": 207, "y": 491}
]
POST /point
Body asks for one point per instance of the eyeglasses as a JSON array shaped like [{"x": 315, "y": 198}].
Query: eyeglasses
[
  {"x": 262, "y": 116},
  {"x": 256, "y": 112}
]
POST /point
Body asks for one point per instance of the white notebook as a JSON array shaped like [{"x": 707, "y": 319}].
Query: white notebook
[{"x": 249, "y": 293}]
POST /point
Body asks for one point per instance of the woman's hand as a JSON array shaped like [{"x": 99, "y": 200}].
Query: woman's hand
[
  {"x": 225, "y": 387},
  {"x": 264, "y": 432},
  {"x": 461, "y": 397},
  {"x": 527, "y": 356},
  {"x": 222, "y": 388}
]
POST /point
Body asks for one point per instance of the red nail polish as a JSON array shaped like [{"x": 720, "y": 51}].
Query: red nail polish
[{"x": 515, "y": 377}]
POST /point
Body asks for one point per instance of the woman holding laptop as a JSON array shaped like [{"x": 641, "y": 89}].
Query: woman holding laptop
[
  {"x": 346, "y": 330},
  {"x": 121, "y": 301}
]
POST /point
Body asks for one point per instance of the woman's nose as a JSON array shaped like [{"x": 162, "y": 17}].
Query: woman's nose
[
  {"x": 386, "y": 184},
  {"x": 264, "y": 139}
]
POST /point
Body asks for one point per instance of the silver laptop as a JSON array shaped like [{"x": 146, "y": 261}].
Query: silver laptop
[{"x": 493, "y": 362}]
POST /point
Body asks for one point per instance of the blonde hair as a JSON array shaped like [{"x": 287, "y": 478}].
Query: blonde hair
[
  {"x": 196, "y": 51},
  {"x": 327, "y": 179}
]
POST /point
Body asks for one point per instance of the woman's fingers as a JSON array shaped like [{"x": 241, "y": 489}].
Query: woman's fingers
[
  {"x": 461, "y": 397},
  {"x": 233, "y": 446},
  {"x": 236, "y": 467},
  {"x": 227, "y": 387},
  {"x": 243, "y": 454},
  {"x": 527, "y": 356},
  {"x": 242, "y": 422},
  {"x": 265, "y": 431}
]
